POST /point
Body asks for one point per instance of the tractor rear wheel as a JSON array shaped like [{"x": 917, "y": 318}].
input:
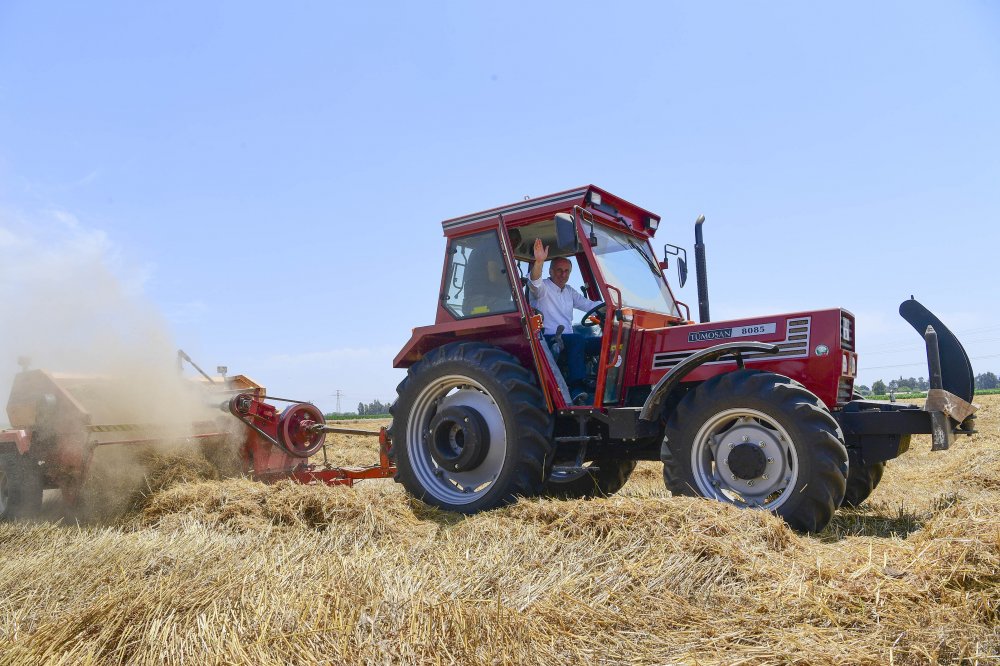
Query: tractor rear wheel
[
  {"x": 20, "y": 487},
  {"x": 757, "y": 440},
  {"x": 861, "y": 482},
  {"x": 470, "y": 430},
  {"x": 606, "y": 477}
]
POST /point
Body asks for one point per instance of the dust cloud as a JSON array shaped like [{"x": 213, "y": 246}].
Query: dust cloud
[{"x": 72, "y": 305}]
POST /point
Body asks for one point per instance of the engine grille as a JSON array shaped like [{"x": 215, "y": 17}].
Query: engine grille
[{"x": 795, "y": 345}]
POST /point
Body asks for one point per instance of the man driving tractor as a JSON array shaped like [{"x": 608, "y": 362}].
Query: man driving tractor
[{"x": 556, "y": 301}]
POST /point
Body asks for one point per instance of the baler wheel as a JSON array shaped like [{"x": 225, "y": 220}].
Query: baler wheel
[
  {"x": 608, "y": 478},
  {"x": 470, "y": 430},
  {"x": 20, "y": 487},
  {"x": 757, "y": 440},
  {"x": 861, "y": 482}
]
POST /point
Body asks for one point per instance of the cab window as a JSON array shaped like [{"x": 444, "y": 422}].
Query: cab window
[{"x": 476, "y": 280}]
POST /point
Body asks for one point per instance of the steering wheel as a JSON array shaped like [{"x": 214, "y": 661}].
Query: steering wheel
[{"x": 593, "y": 313}]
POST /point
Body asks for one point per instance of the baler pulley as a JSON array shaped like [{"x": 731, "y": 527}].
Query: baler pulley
[{"x": 295, "y": 430}]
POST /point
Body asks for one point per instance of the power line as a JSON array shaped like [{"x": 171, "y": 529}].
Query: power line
[
  {"x": 905, "y": 345},
  {"x": 910, "y": 365},
  {"x": 895, "y": 349}
]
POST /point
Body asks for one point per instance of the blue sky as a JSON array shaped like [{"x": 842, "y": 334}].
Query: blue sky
[{"x": 268, "y": 182}]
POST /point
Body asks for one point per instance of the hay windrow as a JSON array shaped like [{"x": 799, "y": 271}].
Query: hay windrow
[
  {"x": 242, "y": 505},
  {"x": 121, "y": 479},
  {"x": 657, "y": 519},
  {"x": 234, "y": 571}
]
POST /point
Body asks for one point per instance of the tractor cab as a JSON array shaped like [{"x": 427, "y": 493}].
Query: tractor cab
[
  {"x": 611, "y": 263},
  {"x": 485, "y": 293}
]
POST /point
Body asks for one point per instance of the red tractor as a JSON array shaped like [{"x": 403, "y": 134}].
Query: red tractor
[{"x": 757, "y": 412}]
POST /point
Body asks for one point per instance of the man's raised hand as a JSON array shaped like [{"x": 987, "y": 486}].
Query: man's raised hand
[{"x": 541, "y": 251}]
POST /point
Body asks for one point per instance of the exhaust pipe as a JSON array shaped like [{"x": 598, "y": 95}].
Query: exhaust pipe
[{"x": 702, "y": 270}]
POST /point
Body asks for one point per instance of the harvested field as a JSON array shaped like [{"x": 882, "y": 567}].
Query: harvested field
[{"x": 237, "y": 572}]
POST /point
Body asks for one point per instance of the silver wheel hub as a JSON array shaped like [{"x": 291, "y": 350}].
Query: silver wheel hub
[
  {"x": 431, "y": 442},
  {"x": 746, "y": 458}
]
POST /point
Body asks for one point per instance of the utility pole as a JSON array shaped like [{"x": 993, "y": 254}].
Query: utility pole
[{"x": 339, "y": 393}]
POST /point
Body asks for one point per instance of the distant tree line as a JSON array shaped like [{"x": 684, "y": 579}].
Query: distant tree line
[
  {"x": 984, "y": 381},
  {"x": 373, "y": 407},
  {"x": 987, "y": 380}
]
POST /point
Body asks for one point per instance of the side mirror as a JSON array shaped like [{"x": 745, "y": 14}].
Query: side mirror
[
  {"x": 566, "y": 240},
  {"x": 682, "y": 265}
]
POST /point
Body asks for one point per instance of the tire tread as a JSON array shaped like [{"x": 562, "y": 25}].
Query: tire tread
[
  {"x": 821, "y": 494},
  {"x": 533, "y": 422}
]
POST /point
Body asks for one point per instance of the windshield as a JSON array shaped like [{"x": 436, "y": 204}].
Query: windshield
[{"x": 628, "y": 264}]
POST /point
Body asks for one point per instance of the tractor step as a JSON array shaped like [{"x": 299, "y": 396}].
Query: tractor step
[{"x": 575, "y": 470}]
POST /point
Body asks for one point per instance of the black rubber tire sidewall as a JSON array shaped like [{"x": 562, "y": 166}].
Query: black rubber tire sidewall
[
  {"x": 24, "y": 483},
  {"x": 861, "y": 482},
  {"x": 818, "y": 442},
  {"x": 527, "y": 426}
]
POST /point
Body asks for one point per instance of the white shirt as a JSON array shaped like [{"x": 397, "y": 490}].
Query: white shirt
[{"x": 556, "y": 305}]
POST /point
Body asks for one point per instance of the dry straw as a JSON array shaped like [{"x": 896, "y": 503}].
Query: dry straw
[{"x": 232, "y": 571}]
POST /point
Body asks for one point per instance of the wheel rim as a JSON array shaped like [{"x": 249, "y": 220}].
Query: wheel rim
[
  {"x": 453, "y": 487},
  {"x": 4, "y": 492},
  {"x": 746, "y": 458}
]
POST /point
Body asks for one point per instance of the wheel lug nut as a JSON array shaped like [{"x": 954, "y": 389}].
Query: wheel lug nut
[
  {"x": 732, "y": 445},
  {"x": 762, "y": 445},
  {"x": 746, "y": 438},
  {"x": 764, "y": 476},
  {"x": 770, "y": 460},
  {"x": 750, "y": 482}
]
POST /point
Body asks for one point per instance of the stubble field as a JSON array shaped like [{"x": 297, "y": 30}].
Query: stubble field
[{"x": 206, "y": 572}]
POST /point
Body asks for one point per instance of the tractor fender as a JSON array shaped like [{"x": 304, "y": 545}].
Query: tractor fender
[
  {"x": 14, "y": 439},
  {"x": 668, "y": 382}
]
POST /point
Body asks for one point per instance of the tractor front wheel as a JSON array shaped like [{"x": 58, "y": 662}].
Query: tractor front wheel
[
  {"x": 20, "y": 487},
  {"x": 757, "y": 440},
  {"x": 470, "y": 430}
]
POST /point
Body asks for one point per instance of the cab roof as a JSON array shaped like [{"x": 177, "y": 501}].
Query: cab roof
[{"x": 605, "y": 206}]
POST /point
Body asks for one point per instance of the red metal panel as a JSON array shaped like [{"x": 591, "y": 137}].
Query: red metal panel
[
  {"x": 19, "y": 438},
  {"x": 799, "y": 334},
  {"x": 520, "y": 210},
  {"x": 503, "y": 330}
]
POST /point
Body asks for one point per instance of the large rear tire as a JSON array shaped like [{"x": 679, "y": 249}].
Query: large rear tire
[
  {"x": 470, "y": 430},
  {"x": 758, "y": 440},
  {"x": 608, "y": 477},
  {"x": 20, "y": 487}
]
